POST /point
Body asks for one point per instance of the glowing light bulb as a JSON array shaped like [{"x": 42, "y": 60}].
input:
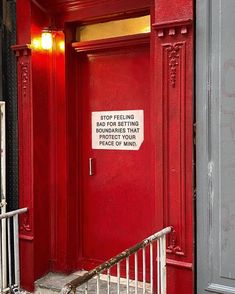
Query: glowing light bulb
[
  {"x": 61, "y": 46},
  {"x": 46, "y": 40}
]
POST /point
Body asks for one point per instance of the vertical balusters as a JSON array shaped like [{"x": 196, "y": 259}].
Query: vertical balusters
[
  {"x": 158, "y": 267},
  {"x": 3, "y": 195},
  {"x": 144, "y": 270},
  {"x": 108, "y": 281},
  {"x": 16, "y": 249},
  {"x": 127, "y": 275},
  {"x": 163, "y": 264},
  {"x": 151, "y": 267},
  {"x": 1, "y": 285},
  {"x": 136, "y": 272},
  {"x": 9, "y": 250},
  {"x": 118, "y": 278},
  {"x": 9, "y": 243},
  {"x": 98, "y": 284},
  {"x": 4, "y": 252},
  {"x": 150, "y": 264}
]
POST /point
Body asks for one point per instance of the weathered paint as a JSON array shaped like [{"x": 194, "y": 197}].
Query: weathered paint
[{"x": 215, "y": 146}]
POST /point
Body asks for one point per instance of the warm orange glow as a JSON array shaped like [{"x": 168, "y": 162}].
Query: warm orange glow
[
  {"x": 47, "y": 40},
  {"x": 36, "y": 44},
  {"x": 61, "y": 45}
]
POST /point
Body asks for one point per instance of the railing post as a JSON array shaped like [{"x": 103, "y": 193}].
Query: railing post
[
  {"x": 163, "y": 264},
  {"x": 108, "y": 281},
  {"x": 9, "y": 250},
  {"x": 127, "y": 275},
  {"x": 118, "y": 278},
  {"x": 3, "y": 194},
  {"x": 1, "y": 269},
  {"x": 98, "y": 285},
  {"x": 144, "y": 270},
  {"x": 16, "y": 249},
  {"x": 136, "y": 272},
  {"x": 158, "y": 267}
]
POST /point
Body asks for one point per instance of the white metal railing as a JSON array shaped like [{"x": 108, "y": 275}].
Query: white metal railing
[
  {"x": 150, "y": 271},
  {"x": 10, "y": 268},
  {"x": 3, "y": 185},
  {"x": 9, "y": 231}
]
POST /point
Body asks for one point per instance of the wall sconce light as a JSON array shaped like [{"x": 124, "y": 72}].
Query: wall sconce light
[{"x": 46, "y": 39}]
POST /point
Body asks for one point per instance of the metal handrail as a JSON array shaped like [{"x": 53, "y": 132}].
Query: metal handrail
[
  {"x": 10, "y": 270},
  {"x": 74, "y": 284},
  {"x": 14, "y": 212}
]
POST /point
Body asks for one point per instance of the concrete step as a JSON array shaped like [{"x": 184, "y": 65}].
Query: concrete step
[{"x": 52, "y": 283}]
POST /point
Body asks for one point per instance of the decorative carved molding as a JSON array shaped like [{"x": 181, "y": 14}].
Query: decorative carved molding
[
  {"x": 23, "y": 54},
  {"x": 173, "y": 87},
  {"x": 21, "y": 50},
  {"x": 25, "y": 139},
  {"x": 181, "y": 264},
  {"x": 26, "y": 238},
  {"x": 173, "y": 55},
  {"x": 25, "y": 223},
  {"x": 172, "y": 28},
  {"x": 173, "y": 246},
  {"x": 24, "y": 71},
  {"x": 118, "y": 42}
]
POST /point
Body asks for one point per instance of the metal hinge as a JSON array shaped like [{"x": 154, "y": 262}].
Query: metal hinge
[{"x": 195, "y": 194}]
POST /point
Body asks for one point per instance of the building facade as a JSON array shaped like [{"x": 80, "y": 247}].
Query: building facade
[
  {"x": 135, "y": 85},
  {"x": 108, "y": 108}
]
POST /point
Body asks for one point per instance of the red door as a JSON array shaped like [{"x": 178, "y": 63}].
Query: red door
[{"x": 116, "y": 185}]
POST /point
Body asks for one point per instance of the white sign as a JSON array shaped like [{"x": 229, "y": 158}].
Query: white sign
[{"x": 118, "y": 130}]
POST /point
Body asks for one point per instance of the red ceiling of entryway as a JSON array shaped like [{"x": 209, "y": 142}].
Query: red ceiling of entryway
[{"x": 68, "y": 5}]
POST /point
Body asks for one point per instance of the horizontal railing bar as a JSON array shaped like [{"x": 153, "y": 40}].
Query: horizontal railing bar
[
  {"x": 71, "y": 286},
  {"x": 12, "y": 213}
]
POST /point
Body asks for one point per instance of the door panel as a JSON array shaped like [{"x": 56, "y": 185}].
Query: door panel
[
  {"x": 118, "y": 200},
  {"x": 215, "y": 146}
]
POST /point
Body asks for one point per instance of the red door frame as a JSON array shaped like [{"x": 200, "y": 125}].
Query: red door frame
[
  {"x": 48, "y": 178},
  {"x": 119, "y": 46}
]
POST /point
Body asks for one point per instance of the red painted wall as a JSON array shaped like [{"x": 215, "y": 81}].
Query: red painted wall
[
  {"x": 40, "y": 92},
  {"x": 41, "y": 146},
  {"x": 173, "y": 92},
  {"x": 23, "y": 21},
  {"x": 47, "y": 141},
  {"x": 58, "y": 156},
  {"x": 173, "y": 10}
]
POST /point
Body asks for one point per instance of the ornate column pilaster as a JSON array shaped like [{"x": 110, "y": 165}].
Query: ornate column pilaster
[
  {"x": 25, "y": 130},
  {"x": 174, "y": 74}
]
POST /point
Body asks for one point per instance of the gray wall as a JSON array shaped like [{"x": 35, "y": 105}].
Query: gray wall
[{"x": 215, "y": 111}]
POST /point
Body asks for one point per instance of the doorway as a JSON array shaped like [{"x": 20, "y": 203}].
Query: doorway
[{"x": 116, "y": 190}]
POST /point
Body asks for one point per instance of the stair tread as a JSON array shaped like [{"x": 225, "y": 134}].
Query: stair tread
[{"x": 53, "y": 283}]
